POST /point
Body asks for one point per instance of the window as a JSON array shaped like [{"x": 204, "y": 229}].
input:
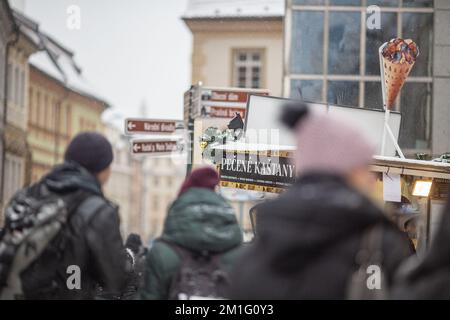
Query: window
[
  {"x": 247, "y": 69},
  {"x": 307, "y": 28},
  {"x": 45, "y": 112},
  {"x": 334, "y": 58},
  {"x": 10, "y": 83},
  {"x": 2, "y": 70},
  {"x": 22, "y": 90},
  {"x": 31, "y": 104},
  {"x": 311, "y": 2},
  {"x": 38, "y": 108},
  {"x": 343, "y": 92},
  {"x": 66, "y": 124},
  {"x": 344, "y": 43},
  {"x": 308, "y": 90},
  {"x": 375, "y": 38},
  {"x": 416, "y": 112},
  {"x": 13, "y": 175},
  {"x": 17, "y": 87}
]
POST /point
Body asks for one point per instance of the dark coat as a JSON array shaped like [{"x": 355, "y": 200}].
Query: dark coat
[
  {"x": 429, "y": 276},
  {"x": 90, "y": 240},
  {"x": 199, "y": 220},
  {"x": 307, "y": 241}
]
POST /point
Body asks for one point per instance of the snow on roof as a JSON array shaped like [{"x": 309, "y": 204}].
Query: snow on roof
[
  {"x": 234, "y": 8},
  {"x": 56, "y": 60}
]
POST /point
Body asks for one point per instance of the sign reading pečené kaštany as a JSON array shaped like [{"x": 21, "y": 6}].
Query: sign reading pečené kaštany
[{"x": 258, "y": 171}]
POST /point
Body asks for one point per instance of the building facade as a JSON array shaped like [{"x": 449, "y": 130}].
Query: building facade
[
  {"x": 59, "y": 101},
  {"x": 162, "y": 179},
  {"x": 56, "y": 114},
  {"x": 125, "y": 185},
  {"x": 237, "y": 43},
  {"x": 17, "y": 153},
  {"x": 7, "y": 35},
  {"x": 331, "y": 55}
]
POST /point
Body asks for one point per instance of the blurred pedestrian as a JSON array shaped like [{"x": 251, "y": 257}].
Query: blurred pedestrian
[
  {"x": 136, "y": 253},
  {"x": 428, "y": 277},
  {"x": 315, "y": 240},
  {"x": 198, "y": 245},
  {"x": 407, "y": 217},
  {"x": 72, "y": 228}
]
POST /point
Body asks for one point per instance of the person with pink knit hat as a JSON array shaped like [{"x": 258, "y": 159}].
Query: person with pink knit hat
[
  {"x": 329, "y": 145},
  {"x": 311, "y": 241}
]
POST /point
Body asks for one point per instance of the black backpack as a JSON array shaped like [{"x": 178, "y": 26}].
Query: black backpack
[
  {"x": 199, "y": 276},
  {"x": 31, "y": 223}
]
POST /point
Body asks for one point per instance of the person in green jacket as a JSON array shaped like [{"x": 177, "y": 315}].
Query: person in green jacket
[{"x": 199, "y": 221}]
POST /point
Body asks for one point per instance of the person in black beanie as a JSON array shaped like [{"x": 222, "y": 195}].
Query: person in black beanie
[
  {"x": 90, "y": 238},
  {"x": 93, "y": 152}
]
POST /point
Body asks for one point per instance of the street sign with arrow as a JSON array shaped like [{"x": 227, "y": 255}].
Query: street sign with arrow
[
  {"x": 156, "y": 147},
  {"x": 151, "y": 126}
]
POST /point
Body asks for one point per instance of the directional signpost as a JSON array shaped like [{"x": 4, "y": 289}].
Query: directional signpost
[
  {"x": 155, "y": 147},
  {"x": 151, "y": 126}
]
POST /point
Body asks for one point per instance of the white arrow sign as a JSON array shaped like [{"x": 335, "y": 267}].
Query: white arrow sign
[
  {"x": 131, "y": 125},
  {"x": 136, "y": 147}
]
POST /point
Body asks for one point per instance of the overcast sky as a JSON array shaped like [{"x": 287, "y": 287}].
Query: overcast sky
[{"x": 131, "y": 51}]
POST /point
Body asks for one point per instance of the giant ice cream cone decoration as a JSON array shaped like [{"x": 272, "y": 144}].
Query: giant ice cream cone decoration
[{"x": 397, "y": 58}]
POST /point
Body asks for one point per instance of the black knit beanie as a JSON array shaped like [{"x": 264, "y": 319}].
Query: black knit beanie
[{"x": 91, "y": 150}]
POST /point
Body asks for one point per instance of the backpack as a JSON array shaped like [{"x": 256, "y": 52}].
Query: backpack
[
  {"x": 199, "y": 277},
  {"x": 369, "y": 260},
  {"x": 31, "y": 223}
]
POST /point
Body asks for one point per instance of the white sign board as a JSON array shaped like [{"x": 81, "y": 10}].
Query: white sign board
[
  {"x": 371, "y": 123},
  {"x": 263, "y": 115},
  {"x": 392, "y": 187},
  {"x": 262, "y": 125}
]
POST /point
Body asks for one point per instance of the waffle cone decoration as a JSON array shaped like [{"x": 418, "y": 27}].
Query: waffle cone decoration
[{"x": 397, "y": 58}]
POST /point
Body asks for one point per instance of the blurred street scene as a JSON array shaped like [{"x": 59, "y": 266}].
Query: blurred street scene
[{"x": 205, "y": 124}]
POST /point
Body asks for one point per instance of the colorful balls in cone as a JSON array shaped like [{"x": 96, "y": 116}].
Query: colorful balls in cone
[{"x": 398, "y": 56}]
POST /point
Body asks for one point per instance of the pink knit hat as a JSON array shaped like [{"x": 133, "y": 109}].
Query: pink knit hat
[{"x": 326, "y": 144}]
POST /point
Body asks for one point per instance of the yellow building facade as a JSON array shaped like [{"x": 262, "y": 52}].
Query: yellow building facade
[
  {"x": 57, "y": 114},
  {"x": 16, "y": 165}
]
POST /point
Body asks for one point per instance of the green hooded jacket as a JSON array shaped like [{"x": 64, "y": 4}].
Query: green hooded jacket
[{"x": 199, "y": 220}]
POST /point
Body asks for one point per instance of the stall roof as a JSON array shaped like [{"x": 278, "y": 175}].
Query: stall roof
[{"x": 417, "y": 168}]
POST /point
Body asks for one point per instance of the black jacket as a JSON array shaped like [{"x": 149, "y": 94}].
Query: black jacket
[
  {"x": 428, "y": 277},
  {"x": 90, "y": 240},
  {"x": 307, "y": 240}
]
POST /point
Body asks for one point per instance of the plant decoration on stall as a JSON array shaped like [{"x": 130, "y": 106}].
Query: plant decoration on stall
[{"x": 213, "y": 137}]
